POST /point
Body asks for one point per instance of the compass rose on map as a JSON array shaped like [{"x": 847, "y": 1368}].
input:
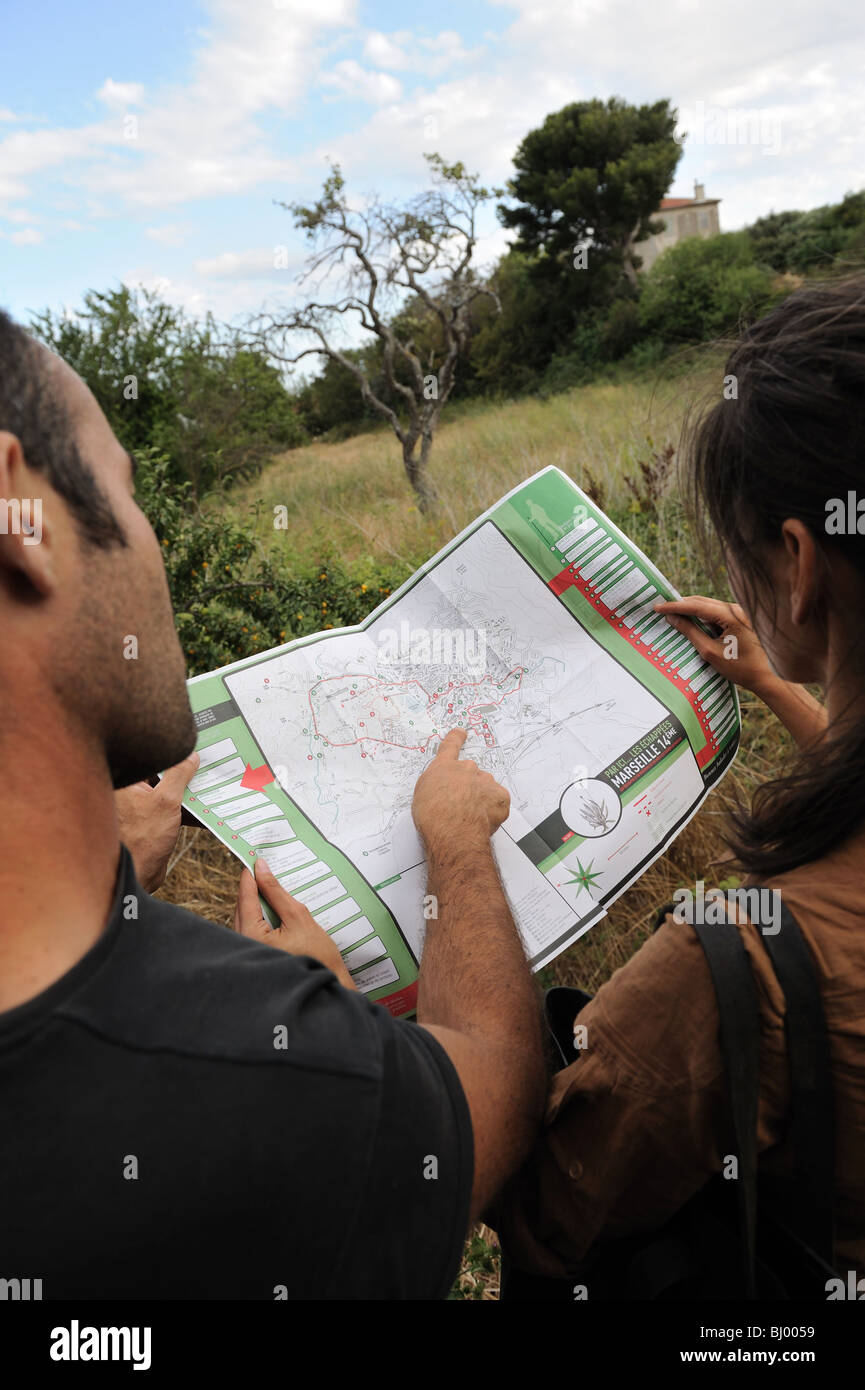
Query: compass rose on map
[{"x": 584, "y": 877}]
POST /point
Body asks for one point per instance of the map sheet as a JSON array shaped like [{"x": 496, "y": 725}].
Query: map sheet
[{"x": 534, "y": 630}]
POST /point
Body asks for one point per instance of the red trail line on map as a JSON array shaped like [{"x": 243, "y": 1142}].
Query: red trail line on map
[{"x": 412, "y": 747}]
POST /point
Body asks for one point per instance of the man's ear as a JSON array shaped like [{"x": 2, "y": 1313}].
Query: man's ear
[
  {"x": 26, "y": 550},
  {"x": 804, "y": 567}
]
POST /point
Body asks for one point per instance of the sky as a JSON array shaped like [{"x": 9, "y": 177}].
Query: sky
[{"x": 150, "y": 144}]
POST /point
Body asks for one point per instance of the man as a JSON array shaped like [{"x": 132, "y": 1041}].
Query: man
[{"x": 189, "y": 1112}]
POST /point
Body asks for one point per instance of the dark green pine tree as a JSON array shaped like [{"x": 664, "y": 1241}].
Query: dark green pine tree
[{"x": 592, "y": 175}]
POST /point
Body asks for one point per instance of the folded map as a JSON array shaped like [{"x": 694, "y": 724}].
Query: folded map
[{"x": 534, "y": 630}]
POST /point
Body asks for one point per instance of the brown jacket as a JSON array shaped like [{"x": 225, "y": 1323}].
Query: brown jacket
[{"x": 636, "y": 1125}]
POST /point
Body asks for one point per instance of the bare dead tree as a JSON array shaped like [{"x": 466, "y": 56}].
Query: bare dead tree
[{"x": 383, "y": 256}]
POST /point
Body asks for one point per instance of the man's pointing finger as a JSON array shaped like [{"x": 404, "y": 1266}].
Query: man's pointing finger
[{"x": 449, "y": 748}]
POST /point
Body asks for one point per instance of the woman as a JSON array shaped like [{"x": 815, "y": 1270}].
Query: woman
[{"x": 634, "y": 1126}]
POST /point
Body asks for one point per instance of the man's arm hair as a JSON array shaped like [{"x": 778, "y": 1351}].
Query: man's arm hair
[{"x": 477, "y": 997}]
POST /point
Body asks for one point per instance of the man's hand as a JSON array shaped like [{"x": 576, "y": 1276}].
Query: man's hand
[
  {"x": 454, "y": 802},
  {"x": 149, "y": 821},
  {"x": 298, "y": 932}
]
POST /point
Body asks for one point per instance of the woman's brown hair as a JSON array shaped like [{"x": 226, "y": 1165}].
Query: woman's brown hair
[{"x": 791, "y": 438}]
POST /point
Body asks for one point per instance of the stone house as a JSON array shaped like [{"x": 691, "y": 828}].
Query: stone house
[{"x": 682, "y": 217}]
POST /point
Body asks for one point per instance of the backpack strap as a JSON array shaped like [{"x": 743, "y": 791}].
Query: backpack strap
[
  {"x": 740, "y": 1050},
  {"x": 811, "y": 1091}
]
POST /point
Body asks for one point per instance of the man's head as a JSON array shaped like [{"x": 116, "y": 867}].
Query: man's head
[{"x": 86, "y": 630}]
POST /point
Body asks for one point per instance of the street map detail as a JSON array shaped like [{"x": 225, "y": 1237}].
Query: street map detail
[{"x": 535, "y": 631}]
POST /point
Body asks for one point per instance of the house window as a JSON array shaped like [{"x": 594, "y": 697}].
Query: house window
[{"x": 704, "y": 221}]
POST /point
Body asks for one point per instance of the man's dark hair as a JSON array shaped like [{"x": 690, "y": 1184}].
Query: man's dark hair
[{"x": 32, "y": 408}]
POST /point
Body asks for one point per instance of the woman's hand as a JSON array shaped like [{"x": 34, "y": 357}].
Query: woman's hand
[
  {"x": 744, "y": 661},
  {"x": 741, "y": 659},
  {"x": 149, "y": 821},
  {"x": 298, "y": 932}
]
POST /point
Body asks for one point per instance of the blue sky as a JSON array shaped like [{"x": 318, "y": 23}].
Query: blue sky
[{"x": 147, "y": 143}]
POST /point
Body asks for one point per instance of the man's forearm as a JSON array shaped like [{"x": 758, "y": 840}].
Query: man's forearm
[
  {"x": 475, "y": 990},
  {"x": 474, "y": 976}
]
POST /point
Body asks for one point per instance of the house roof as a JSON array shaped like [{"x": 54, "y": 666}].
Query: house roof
[{"x": 668, "y": 203}]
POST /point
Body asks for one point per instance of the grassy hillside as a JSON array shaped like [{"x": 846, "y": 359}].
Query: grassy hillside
[{"x": 352, "y": 498}]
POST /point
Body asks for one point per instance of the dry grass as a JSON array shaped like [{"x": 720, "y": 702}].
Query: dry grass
[{"x": 353, "y": 497}]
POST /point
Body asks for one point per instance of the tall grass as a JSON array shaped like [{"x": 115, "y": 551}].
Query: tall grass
[{"x": 353, "y": 497}]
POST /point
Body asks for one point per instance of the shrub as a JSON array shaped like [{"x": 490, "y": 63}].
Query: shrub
[
  {"x": 180, "y": 387},
  {"x": 700, "y": 288},
  {"x": 230, "y": 598},
  {"x": 801, "y": 241}
]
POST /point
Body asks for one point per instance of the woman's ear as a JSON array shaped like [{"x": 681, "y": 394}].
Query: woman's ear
[{"x": 804, "y": 569}]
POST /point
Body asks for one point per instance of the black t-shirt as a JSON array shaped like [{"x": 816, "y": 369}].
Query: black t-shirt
[{"x": 191, "y": 1114}]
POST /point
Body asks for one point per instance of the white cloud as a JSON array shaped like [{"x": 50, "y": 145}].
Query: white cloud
[
  {"x": 351, "y": 80},
  {"x": 228, "y": 299},
  {"x": 198, "y": 139},
  {"x": 20, "y": 215},
  {"x": 388, "y": 50},
  {"x": 443, "y": 50},
  {"x": 403, "y": 50},
  {"x": 181, "y": 293},
  {"x": 552, "y": 54},
  {"x": 121, "y": 94},
  {"x": 28, "y": 236},
  {"x": 265, "y": 263},
  {"x": 218, "y": 133},
  {"x": 29, "y": 152},
  {"x": 204, "y": 139}
]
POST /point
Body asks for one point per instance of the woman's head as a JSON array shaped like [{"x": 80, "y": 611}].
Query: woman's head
[
  {"x": 776, "y": 467},
  {"x": 767, "y": 461}
]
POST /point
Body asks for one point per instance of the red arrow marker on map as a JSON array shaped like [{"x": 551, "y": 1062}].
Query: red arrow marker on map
[{"x": 257, "y": 777}]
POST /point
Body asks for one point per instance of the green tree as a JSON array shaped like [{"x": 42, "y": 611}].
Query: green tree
[
  {"x": 510, "y": 349},
  {"x": 331, "y": 403},
  {"x": 592, "y": 176},
  {"x": 231, "y": 597},
  {"x": 123, "y": 344},
  {"x": 184, "y": 387},
  {"x": 236, "y": 413}
]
